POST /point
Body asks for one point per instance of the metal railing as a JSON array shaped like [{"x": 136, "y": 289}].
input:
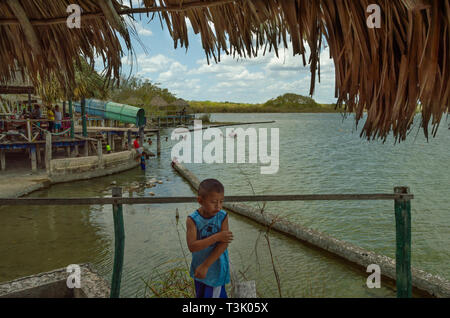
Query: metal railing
[{"x": 401, "y": 197}]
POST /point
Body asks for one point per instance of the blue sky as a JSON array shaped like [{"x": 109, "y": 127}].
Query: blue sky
[{"x": 252, "y": 80}]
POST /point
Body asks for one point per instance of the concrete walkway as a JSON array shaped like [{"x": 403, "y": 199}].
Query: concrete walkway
[{"x": 17, "y": 183}]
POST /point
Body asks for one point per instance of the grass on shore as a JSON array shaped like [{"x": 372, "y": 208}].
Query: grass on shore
[{"x": 228, "y": 107}]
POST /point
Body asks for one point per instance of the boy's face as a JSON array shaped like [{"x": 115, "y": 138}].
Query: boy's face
[{"x": 211, "y": 203}]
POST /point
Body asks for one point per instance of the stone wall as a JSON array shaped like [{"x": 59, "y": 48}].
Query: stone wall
[
  {"x": 71, "y": 169},
  {"x": 53, "y": 284}
]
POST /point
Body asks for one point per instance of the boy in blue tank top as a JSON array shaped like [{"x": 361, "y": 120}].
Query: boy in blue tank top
[{"x": 208, "y": 236}]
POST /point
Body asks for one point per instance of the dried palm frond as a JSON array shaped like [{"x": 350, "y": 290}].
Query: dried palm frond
[{"x": 386, "y": 72}]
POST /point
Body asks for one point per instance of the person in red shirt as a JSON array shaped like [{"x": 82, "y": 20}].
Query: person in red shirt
[
  {"x": 136, "y": 143},
  {"x": 139, "y": 149}
]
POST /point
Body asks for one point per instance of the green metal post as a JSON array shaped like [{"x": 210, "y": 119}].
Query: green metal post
[
  {"x": 83, "y": 116},
  {"x": 72, "y": 132},
  {"x": 403, "y": 244},
  {"x": 119, "y": 241}
]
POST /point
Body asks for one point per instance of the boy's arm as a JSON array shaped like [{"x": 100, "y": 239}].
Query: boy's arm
[
  {"x": 195, "y": 245},
  {"x": 202, "y": 269}
]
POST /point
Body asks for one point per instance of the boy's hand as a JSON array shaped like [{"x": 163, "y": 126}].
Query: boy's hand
[
  {"x": 201, "y": 271},
  {"x": 225, "y": 236}
]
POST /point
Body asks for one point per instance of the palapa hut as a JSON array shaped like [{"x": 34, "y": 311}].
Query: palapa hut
[
  {"x": 134, "y": 101},
  {"x": 158, "y": 101},
  {"x": 178, "y": 107},
  {"x": 386, "y": 71}
]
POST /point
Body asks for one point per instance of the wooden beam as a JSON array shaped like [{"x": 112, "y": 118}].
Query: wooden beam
[
  {"x": 26, "y": 25},
  {"x": 4, "y": 89},
  {"x": 128, "y": 11},
  {"x": 240, "y": 198}
]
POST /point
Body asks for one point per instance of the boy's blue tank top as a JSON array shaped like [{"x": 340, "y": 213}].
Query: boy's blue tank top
[{"x": 219, "y": 272}]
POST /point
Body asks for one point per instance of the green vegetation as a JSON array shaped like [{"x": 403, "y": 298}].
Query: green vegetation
[
  {"x": 287, "y": 103},
  {"x": 137, "y": 92}
]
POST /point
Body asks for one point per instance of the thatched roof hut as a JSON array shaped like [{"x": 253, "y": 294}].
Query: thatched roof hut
[
  {"x": 158, "y": 101},
  {"x": 386, "y": 71},
  {"x": 134, "y": 101},
  {"x": 180, "y": 103}
]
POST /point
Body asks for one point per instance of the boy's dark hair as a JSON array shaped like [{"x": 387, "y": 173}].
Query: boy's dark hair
[{"x": 210, "y": 185}]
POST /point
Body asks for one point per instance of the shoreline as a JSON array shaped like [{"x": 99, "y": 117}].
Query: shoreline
[{"x": 22, "y": 183}]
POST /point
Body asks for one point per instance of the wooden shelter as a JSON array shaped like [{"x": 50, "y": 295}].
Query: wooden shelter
[
  {"x": 158, "y": 101},
  {"x": 385, "y": 71},
  {"x": 18, "y": 84}
]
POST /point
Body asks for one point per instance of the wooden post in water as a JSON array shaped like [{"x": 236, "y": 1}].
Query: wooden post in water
[
  {"x": 403, "y": 244},
  {"x": 48, "y": 151},
  {"x": 38, "y": 155},
  {"x": 86, "y": 148},
  {"x": 33, "y": 158},
  {"x": 3, "y": 159},
  {"x": 141, "y": 136},
  {"x": 119, "y": 244},
  {"x": 109, "y": 138},
  {"x": 158, "y": 143},
  {"x": 100, "y": 153},
  {"x": 123, "y": 141},
  {"x": 29, "y": 131}
]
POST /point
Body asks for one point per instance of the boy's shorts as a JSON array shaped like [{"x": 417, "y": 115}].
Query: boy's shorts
[
  {"x": 57, "y": 126},
  {"x": 205, "y": 291}
]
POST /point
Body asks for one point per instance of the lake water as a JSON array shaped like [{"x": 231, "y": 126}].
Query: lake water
[{"x": 319, "y": 154}]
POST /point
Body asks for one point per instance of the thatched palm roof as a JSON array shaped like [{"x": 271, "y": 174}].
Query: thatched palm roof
[
  {"x": 181, "y": 103},
  {"x": 385, "y": 71},
  {"x": 133, "y": 100},
  {"x": 158, "y": 101}
]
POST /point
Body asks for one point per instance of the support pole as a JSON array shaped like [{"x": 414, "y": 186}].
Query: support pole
[
  {"x": 158, "y": 143},
  {"x": 141, "y": 136},
  {"x": 123, "y": 141},
  {"x": 3, "y": 159},
  {"x": 100, "y": 153},
  {"x": 38, "y": 155},
  {"x": 109, "y": 139},
  {"x": 33, "y": 158},
  {"x": 83, "y": 116},
  {"x": 129, "y": 139},
  {"x": 72, "y": 132},
  {"x": 48, "y": 152},
  {"x": 403, "y": 244},
  {"x": 86, "y": 148},
  {"x": 119, "y": 244},
  {"x": 29, "y": 134}
]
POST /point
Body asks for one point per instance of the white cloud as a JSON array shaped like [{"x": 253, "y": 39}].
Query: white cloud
[{"x": 175, "y": 71}]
